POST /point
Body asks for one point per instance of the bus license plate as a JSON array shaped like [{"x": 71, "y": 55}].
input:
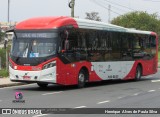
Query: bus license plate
[{"x": 26, "y": 77}]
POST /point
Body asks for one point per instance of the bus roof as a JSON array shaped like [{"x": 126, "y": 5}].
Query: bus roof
[
  {"x": 46, "y": 23},
  {"x": 60, "y": 21}
]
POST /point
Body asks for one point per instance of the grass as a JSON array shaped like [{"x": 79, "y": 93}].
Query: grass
[{"x": 3, "y": 73}]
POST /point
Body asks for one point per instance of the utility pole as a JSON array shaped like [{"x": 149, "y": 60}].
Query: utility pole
[
  {"x": 8, "y": 10},
  {"x": 71, "y": 5},
  {"x": 109, "y": 13}
]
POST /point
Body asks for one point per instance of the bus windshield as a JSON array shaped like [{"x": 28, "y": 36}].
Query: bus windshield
[{"x": 34, "y": 45}]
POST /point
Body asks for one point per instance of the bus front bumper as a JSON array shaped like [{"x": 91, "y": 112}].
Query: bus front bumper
[{"x": 46, "y": 75}]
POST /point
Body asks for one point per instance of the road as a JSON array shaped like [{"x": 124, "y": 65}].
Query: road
[{"x": 108, "y": 94}]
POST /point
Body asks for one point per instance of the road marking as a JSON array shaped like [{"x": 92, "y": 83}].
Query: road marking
[
  {"x": 80, "y": 107},
  {"x": 16, "y": 86},
  {"x": 151, "y": 90},
  {"x": 120, "y": 97},
  {"x": 155, "y": 80},
  {"x": 103, "y": 102},
  {"x": 40, "y": 115},
  {"x": 52, "y": 93},
  {"x": 136, "y": 94}
]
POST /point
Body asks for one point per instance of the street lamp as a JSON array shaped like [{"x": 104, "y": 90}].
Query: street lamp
[{"x": 71, "y": 5}]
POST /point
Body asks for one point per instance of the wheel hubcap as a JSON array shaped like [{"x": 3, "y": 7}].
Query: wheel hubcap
[
  {"x": 81, "y": 77},
  {"x": 138, "y": 73}
]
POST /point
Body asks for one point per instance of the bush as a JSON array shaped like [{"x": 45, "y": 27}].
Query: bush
[
  {"x": 4, "y": 73},
  {"x": 3, "y": 58}
]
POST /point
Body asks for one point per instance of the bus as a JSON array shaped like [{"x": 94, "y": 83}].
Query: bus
[{"x": 71, "y": 51}]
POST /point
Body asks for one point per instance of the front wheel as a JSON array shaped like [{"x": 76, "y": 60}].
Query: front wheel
[
  {"x": 42, "y": 85},
  {"x": 81, "y": 79},
  {"x": 138, "y": 73}
]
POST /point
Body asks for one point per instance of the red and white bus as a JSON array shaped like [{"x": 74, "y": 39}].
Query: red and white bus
[{"x": 70, "y": 51}]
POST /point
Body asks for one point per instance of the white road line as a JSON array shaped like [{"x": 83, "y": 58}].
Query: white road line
[
  {"x": 136, "y": 94},
  {"x": 40, "y": 115},
  {"x": 103, "y": 102},
  {"x": 120, "y": 97},
  {"x": 80, "y": 107},
  {"x": 16, "y": 86},
  {"x": 155, "y": 80},
  {"x": 151, "y": 90},
  {"x": 52, "y": 93}
]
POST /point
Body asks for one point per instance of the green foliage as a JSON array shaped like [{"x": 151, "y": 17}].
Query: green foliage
[
  {"x": 139, "y": 20},
  {"x": 1, "y": 36},
  {"x": 4, "y": 73},
  {"x": 3, "y": 58},
  {"x": 93, "y": 16}
]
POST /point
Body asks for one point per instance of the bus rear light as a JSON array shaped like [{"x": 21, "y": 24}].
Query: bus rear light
[{"x": 49, "y": 65}]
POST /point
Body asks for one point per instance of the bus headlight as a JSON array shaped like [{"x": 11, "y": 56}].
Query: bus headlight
[
  {"x": 11, "y": 65},
  {"x": 49, "y": 65}
]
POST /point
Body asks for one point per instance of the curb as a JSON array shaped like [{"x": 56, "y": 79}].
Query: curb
[{"x": 11, "y": 84}]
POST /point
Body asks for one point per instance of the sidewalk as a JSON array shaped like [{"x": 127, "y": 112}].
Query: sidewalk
[{"x": 5, "y": 82}]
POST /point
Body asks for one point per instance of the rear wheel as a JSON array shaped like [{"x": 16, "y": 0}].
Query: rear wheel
[
  {"x": 42, "y": 85},
  {"x": 81, "y": 79},
  {"x": 138, "y": 73}
]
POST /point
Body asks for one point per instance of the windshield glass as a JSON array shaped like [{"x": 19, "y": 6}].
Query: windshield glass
[{"x": 34, "y": 45}]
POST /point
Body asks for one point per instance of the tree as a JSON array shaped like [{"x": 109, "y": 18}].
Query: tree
[
  {"x": 139, "y": 20},
  {"x": 1, "y": 36},
  {"x": 93, "y": 16}
]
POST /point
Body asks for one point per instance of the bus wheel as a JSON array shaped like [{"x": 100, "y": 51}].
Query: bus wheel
[
  {"x": 138, "y": 73},
  {"x": 42, "y": 85},
  {"x": 81, "y": 79}
]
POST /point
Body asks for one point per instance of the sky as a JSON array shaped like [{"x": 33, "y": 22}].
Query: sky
[{"x": 24, "y": 9}]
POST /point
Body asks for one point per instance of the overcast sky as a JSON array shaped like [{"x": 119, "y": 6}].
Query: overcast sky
[{"x": 23, "y": 9}]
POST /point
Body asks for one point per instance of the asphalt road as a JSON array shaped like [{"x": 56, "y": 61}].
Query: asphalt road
[{"x": 108, "y": 94}]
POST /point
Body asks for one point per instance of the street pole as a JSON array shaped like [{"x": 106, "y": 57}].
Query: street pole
[
  {"x": 109, "y": 13},
  {"x": 8, "y": 9},
  {"x": 71, "y": 5},
  {"x": 72, "y": 9}
]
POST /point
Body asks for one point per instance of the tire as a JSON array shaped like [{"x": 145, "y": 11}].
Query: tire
[
  {"x": 42, "y": 85},
  {"x": 81, "y": 79},
  {"x": 138, "y": 73}
]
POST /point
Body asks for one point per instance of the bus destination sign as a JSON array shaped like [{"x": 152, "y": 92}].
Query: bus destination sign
[{"x": 35, "y": 35}]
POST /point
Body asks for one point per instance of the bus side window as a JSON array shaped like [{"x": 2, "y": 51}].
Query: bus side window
[{"x": 153, "y": 45}]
